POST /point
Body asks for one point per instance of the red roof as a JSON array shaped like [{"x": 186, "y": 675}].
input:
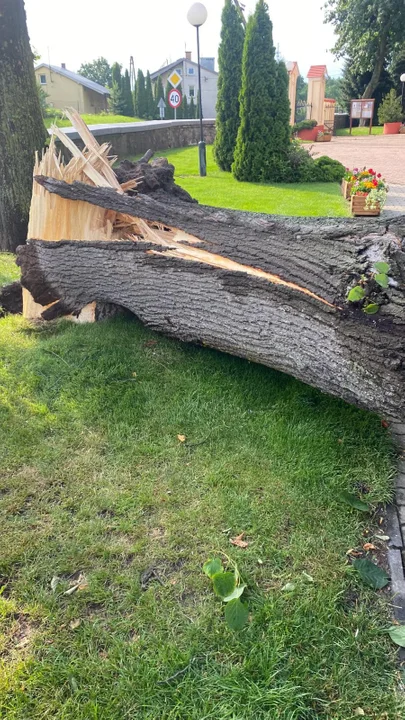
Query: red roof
[
  {"x": 330, "y": 100},
  {"x": 317, "y": 71}
]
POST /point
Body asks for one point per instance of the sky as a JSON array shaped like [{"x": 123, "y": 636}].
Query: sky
[{"x": 156, "y": 32}]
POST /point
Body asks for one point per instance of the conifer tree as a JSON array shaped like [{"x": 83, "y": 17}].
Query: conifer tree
[
  {"x": 229, "y": 85},
  {"x": 262, "y": 145},
  {"x": 191, "y": 110},
  {"x": 126, "y": 89},
  {"x": 169, "y": 110},
  {"x": 140, "y": 95},
  {"x": 180, "y": 110},
  {"x": 149, "y": 101},
  {"x": 158, "y": 94},
  {"x": 116, "y": 101},
  {"x": 116, "y": 74}
]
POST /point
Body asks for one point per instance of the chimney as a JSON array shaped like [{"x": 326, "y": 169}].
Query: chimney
[
  {"x": 63, "y": 66},
  {"x": 188, "y": 55}
]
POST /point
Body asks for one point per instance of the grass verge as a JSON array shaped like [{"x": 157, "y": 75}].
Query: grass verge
[
  {"x": 220, "y": 189},
  {"x": 375, "y": 130},
  {"x": 92, "y": 120},
  {"x": 94, "y": 482}
]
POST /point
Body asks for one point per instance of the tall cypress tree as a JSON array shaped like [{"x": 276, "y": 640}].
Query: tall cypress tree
[
  {"x": 116, "y": 101},
  {"x": 126, "y": 91},
  {"x": 149, "y": 102},
  {"x": 158, "y": 94},
  {"x": 229, "y": 85},
  {"x": 261, "y": 146},
  {"x": 140, "y": 95},
  {"x": 192, "y": 109},
  {"x": 116, "y": 74},
  {"x": 22, "y": 129},
  {"x": 169, "y": 109}
]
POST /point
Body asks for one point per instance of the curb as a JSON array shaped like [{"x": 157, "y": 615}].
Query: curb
[{"x": 396, "y": 532}]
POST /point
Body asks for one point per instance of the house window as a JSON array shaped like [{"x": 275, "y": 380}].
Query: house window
[
  {"x": 191, "y": 91},
  {"x": 191, "y": 71},
  {"x": 178, "y": 71},
  {"x": 42, "y": 79}
]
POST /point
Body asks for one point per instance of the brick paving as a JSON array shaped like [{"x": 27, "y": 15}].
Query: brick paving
[{"x": 384, "y": 153}]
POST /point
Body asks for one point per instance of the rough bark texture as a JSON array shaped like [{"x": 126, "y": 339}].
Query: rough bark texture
[
  {"x": 267, "y": 288},
  {"x": 22, "y": 129}
]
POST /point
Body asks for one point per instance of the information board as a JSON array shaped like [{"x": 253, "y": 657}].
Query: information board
[{"x": 362, "y": 109}]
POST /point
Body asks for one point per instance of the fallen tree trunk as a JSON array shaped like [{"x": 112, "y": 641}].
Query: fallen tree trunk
[{"x": 267, "y": 288}]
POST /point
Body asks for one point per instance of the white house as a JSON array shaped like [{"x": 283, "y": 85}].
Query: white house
[{"x": 188, "y": 70}]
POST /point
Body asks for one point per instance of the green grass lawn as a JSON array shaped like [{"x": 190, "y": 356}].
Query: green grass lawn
[
  {"x": 94, "y": 480},
  {"x": 92, "y": 120},
  {"x": 375, "y": 130},
  {"x": 222, "y": 190},
  {"x": 8, "y": 269}
]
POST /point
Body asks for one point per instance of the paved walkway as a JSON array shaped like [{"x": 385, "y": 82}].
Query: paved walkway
[{"x": 383, "y": 153}]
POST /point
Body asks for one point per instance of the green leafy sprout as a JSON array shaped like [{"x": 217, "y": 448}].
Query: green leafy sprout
[
  {"x": 357, "y": 294},
  {"x": 227, "y": 585}
]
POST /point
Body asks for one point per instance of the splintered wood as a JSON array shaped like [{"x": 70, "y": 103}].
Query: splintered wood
[{"x": 54, "y": 218}]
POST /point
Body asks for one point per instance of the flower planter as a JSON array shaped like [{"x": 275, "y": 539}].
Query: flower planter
[
  {"x": 310, "y": 134},
  {"x": 358, "y": 206},
  {"x": 392, "y": 128},
  {"x": 324, "y": 138},
  {"x": 346, "y": 188}
]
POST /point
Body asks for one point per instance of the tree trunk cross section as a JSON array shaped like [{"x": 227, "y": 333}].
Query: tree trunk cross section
[{"x": 266, "y": 288}]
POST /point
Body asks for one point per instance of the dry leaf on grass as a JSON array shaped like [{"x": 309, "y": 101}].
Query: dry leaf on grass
[
  {"x": 238, "y": 541},
  {"x": 80, "y": 584},
  {"x": 75, "y": 624},
  {"x": 181, "y": 438},
  {"x": 353, "y": 552},
  {"x": 369, "y": 546}
]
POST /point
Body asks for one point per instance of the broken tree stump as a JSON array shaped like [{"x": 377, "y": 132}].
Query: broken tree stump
[{"x": 267, "y": 288}]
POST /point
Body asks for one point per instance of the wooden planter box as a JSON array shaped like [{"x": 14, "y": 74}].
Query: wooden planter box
[
  {"x": 358, "y": 206},
  {"x": 346, "y": 189},
  {"x": 324, "y": 138}
]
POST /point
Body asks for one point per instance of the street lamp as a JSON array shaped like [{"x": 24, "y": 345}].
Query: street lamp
[
  {"x": 197, "y": 16},
  {"x": 402, "y": 79}
]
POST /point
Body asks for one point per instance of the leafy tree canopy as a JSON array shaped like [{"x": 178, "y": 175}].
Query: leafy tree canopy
[
  {"x": 99, "y": 71},
  {"x": 368, "y": 31}
]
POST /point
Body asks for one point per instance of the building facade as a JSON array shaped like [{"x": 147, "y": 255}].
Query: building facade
[
  {"x": 68, "y": 89},
  {"x": 188, "y": 71}
]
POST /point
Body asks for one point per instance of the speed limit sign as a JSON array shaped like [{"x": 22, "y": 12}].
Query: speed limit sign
[{"x": 174, "y": 98}]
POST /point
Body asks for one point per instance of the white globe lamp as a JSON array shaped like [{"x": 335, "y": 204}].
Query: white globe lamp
[{"x": 197, "y": 16}]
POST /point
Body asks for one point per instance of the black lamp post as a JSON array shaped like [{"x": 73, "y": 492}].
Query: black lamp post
[{"x": 197, "y": 16}]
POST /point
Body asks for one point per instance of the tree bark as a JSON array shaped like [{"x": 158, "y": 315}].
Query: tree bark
[
  {"x": 22, "y": 129},
  {"x": 378, "y": 67},
  {"x": 267, "y": 288}
]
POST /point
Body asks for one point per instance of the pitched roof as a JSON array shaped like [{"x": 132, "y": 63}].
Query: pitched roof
[
  {"x": 317, "y": 71},
  {"x": 177, "y": 63},
  {"x": 76, "y": 78}
]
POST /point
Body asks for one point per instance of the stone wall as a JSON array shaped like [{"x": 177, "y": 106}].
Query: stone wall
[{"x": 128, "y": 139}]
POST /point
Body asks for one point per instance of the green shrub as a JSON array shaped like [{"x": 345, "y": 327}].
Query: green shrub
[
  {"x": 303, "y": 125},
  {"x": 390, "y": 110},
  {"x": 301, "y": 167},
  {"x": 329, "y": 170}
]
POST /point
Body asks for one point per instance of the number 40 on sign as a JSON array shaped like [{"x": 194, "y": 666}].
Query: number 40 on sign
[{"x": 174, "y": 98}]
